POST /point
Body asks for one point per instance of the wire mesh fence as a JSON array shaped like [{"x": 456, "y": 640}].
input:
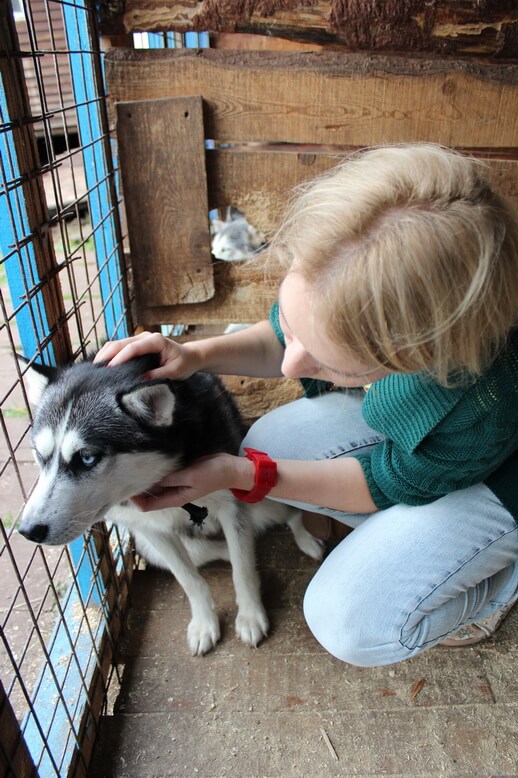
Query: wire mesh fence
[{"x": 62, "y": 291}]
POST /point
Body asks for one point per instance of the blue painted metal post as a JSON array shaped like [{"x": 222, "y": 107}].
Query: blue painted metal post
[
  {"x": 60, "y": 681},
  {"x": 98, "y": 171},
  {"x": 20, "y": 265}
]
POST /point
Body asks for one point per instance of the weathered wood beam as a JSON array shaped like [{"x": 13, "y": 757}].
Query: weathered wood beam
[
  {"x": 445, "y": 27},
  {"x": 328, "y": 97}
]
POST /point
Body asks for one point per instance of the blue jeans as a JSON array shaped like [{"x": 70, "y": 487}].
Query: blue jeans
[{"x": 407, "y": 576}]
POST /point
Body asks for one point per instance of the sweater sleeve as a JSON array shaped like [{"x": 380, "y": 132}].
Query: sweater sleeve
[
  {"x": 439, "y": 439},
  {"x": 395, "y": 477},
  {"x": 441, "y": 464},
  {"x": 274, "y": 321}
]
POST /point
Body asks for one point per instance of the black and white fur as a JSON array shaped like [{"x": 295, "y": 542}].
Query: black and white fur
[{"x": 101, "y": 435}]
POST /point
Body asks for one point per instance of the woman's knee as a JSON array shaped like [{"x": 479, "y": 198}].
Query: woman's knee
[
  {"x": 340, "y": 640},
  {"x": 259, "y": 434},
  {"x": 353, "y": 627},
  {"x": 324, "y": 427},
  {"x": 277, "y": 432}
]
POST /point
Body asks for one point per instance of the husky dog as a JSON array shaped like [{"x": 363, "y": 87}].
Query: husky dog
[{"x": 101, "y": 435}]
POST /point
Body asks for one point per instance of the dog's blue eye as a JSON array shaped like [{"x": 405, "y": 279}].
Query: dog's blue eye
[
  {"x": 84, "y": 460},
  {"x": 88, "y": 460}
]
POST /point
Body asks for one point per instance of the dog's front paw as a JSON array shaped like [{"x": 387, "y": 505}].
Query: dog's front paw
[
  {"x": 203, "y": 635},
  {"x": 251, "y": 628}
]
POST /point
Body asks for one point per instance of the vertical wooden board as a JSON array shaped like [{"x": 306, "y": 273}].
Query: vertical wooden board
[{"x": 162, "y": 159}]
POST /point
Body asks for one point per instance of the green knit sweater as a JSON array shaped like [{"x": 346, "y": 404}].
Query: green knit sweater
[{"x": 439, "y": 439}]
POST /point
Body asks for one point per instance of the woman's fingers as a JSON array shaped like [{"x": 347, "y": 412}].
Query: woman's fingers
[
  {"x": 169, "y": 498},
  {"x": 115, "y": 352}
]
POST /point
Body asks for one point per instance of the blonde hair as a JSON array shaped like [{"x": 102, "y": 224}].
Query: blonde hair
[{"x": 412, "y": 256}]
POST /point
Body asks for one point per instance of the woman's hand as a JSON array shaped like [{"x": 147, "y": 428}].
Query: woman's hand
[
  {"x": 206, "y": 475},
  {"x": 176, "y": 360}
]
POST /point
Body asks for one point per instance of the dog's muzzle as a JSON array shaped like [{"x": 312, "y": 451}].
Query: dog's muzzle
[{"x": 37, "y": 532}]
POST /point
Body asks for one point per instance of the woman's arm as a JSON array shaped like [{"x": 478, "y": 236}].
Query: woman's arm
[
  {"x": 335, "y": 483},
  {"x": 255, "y": 351}
]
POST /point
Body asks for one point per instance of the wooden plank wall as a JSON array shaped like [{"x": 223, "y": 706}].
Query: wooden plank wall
[
  {"x": 302, "y": 112},
  {"x": 328, "y": 97}
]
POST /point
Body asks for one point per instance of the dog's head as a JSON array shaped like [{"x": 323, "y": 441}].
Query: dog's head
[{"x": 96, "y": 436}]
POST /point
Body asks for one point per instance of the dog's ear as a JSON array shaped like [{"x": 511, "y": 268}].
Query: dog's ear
[
  {"x": 151, "y": 403},
  {"x": 38, "y": 377}
]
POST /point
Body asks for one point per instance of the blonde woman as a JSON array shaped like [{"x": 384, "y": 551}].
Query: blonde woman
[{"x": 401, "y": 284}]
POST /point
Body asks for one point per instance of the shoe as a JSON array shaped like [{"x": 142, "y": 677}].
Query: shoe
[
  {"x": 470, "y": 634},
  {"x": 324, "y": 527}
]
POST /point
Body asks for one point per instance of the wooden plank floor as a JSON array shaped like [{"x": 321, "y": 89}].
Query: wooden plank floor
[{"x": 287, "y": 708}]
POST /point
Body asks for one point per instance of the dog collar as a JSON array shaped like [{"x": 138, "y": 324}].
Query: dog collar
[
  {"x": 265, "y": 477},
  {"x": 197, "y": 513}
]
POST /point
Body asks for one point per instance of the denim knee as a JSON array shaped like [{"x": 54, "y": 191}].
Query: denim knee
[
  {"x": 314, "y": 428},
  {"x": 275, "y": 433},
  {"x": 258, "y": 436},
  {"x": 339, "y": 625},
  {"x": 321, "y": 620}
]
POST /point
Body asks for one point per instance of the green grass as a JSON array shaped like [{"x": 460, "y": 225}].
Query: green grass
[
  {"x": 15, "y": 413},
  {"x": 88, "y": 245},
  {"x": 8, "y": 520}
]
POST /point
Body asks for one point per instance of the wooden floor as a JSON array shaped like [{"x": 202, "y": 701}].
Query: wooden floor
[{"x": 287, "y": 709}]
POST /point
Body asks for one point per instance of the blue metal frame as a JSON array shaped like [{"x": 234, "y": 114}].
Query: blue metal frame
[
  {"x": 19, "y": 264},
  {"x": 165, "y": 40}
]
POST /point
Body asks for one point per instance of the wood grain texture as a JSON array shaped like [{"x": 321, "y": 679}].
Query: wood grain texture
[
  {"x": 445, "y": 27},
  {"x": 328, "y": 98},
  {"x": 324, "y": 103},
  {"x": 15, "y": 758},
  {"x": 242, "y": 294},
  {"x": 257, "y": 396},
  {"x": 163, "y": 172}
]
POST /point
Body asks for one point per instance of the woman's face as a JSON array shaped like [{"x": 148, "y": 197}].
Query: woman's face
[{"x": 309, "y": 352}]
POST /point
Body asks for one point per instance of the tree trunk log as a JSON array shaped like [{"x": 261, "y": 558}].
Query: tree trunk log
[{"x": 445, "y": 27}]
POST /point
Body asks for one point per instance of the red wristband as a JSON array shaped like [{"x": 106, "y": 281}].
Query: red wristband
[{"x": 265, "y": 477}]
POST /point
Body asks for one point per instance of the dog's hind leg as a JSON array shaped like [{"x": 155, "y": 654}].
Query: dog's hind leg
[
  {"x": 167, "y": 550},
  {"x": 304, "y": 539},
  {"x": 251, "y": 621},
  {"x": 204, "y": 550}
]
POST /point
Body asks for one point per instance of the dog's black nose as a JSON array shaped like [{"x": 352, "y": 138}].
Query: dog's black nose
[{"x": 37, "y": 533}]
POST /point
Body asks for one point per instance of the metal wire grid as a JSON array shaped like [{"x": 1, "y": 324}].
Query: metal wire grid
[{"x": 61, "y": 291}]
